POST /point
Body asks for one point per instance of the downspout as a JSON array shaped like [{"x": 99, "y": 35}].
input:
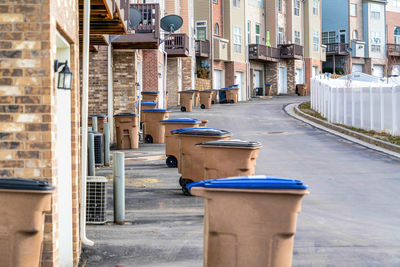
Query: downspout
[
  {"x": 303, "y": 40},
  {"x": 212, "y": 41},
  {"x": 85, "y": 92},
  {"x": 247, "y": 52},
  {"x": 165, "y": 79},
  {"x": 110, "y": 104}
]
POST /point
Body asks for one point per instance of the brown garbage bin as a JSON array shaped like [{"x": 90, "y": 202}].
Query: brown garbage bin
[
  {"x": 232, "y": 95},
  {"x": 227, "y": 158},
  {"x": 171, "y": 141},
  {"x": 203, "y": 123},
  {"x": 268, "y": 89},
  {"x": 196, "y": 100},
  {"x": 214, "y": 96},
  {"x": 301, "y": 89},
  {"x": 191, "y": 157},
  {"x": 23, "y": 204},
  {"x": 146, "y": 105},
  {"x": 249, "y": 221},
  {"x": 186, "y": 100},
  {"x": 127, "y": 130},
  {"x": 150, "y": 96},
  {"x": 205, "y": 99},
  {"x": 101, "y": 119},
  {"x": 154, "y": 130}
]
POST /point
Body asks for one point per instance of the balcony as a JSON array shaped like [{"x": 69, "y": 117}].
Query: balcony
[
  {"x": 291, "y": 51},
  {"x": 263, "y": 53},
  {"x": 202, "y": 48},
  {"x": 220, "y": 49},
  {"x": 393, "y": 50},
  {"x": 146, "y": 35},
  {"x": 177, "y": 45},
  {"x": 337, "y": 49}
]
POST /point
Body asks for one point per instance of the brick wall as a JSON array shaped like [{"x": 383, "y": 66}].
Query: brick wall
[
  {"x": 150, "y": 70},
  {"x": 272, "y": 76},
  {"x": 230, "y": 69},
  {"x": 98, "y": 81},
  {"x": 203, "y": 84},
  {"x": 187, "y": 74},
  {"x": 124, "y": 80},
  {"x": 172, "y": 82},
  {"x": 27, "y": 101},
  {"x": 291, "y": 76},
  {"x": 217, "y": 18}
]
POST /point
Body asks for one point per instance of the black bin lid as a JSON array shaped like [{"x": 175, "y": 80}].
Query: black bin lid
[
  {"x": 125, "y": 114},
  {"x": 232, "y": 143},
  {"x": 25, "y": 184},
  {"x": 205, "y": 132},
  {"x": 150, "y": 92}
]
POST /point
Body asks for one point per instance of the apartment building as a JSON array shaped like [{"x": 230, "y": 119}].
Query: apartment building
[
  {"x": 393, "y": 36},
  {"x": 221, "y": 47},
  {"x": 354, "y": 32}
]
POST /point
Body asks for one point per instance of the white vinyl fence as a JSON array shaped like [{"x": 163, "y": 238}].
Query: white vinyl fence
[{"x": 365, "y": 105}]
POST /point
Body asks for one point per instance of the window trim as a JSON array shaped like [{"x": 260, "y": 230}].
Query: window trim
[
  {"x": 316, "y": 38},
  {"x": 296, "y": 7},
  {"x": 237, "y": 2},
  {"x": 206, "y": 26},
  {"x": 355, "y": 13},
  {"x": 315, "y": 8},
  {"x": 240, "y": 35}
]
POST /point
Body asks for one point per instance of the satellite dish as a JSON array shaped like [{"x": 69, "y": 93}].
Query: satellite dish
[
  {"x": 171, "y": 23},
  {"x": 135, "y": 17}
]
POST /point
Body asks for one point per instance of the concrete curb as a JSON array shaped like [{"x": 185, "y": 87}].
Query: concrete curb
[{"x": 359, "y": 138}]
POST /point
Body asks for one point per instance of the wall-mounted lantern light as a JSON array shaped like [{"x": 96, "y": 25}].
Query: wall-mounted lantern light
[{"x": 64, "y": 76}]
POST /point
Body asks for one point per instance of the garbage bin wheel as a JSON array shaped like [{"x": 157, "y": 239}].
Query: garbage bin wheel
[
  {"x": 171, "y": 162},
  {"x": 202, "y": 106},
  {"x": 181, "y": 181},
  {"x": 212, "y": 102},
  {"x": 148, "y": 139},
  {"x": 232, "y": 101},
  {"x": 186, "y": 191},
  {"x": 183, "y": 109}
]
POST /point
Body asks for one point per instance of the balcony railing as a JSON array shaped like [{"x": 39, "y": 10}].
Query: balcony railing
[
  {"x": 337, "y": 49},
  {"x": 261, "y": 52},
  {"x": 393, "y": 50},
  {"x": 291, "y": 51},
  {"x": 220, "y": 49},
  {"x": 202, "y": 48},
  {"x": 146, "y": 35},
  {"x": 177, "y": 45}
]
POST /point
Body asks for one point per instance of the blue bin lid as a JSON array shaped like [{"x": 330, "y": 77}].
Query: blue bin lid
[
  {"x": 24, "y": 184},
  {"x": 150, "y": 92},
  {"x": 212, "y": 90},
  {"x": 148, "y": 103},
  {"x": 182, "y": 120},
  {"x": 186, "y": 91},
  {"x": 204, "y": 131},
  {"x": 232, "y": 143},
  {"x": 157, "y": 110},
  {"x": 251, "y": 182},
  {"x": 125, "y": 114}
]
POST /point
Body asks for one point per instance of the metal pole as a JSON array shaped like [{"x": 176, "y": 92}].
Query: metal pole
[
  {"x": 119, "y": 187},
  {"x": 106, "y": 144},
  {"x": 91, "y": 162},
  {"x": 94, "y": 124},
  {"x": 85, "y": 90}
]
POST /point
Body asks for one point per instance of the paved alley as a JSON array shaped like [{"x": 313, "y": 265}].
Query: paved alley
[{"x": 350, "y": 218}]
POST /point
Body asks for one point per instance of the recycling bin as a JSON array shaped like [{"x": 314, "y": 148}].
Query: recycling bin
[
  {"x": 301, "y": 89},
  {"x": 23, "y": 204},
  {"x": 249, "y": 221},
  {"x": 222, "y": 95},
  {"x": 196, "y": 100},
  {"x": 127, "y": 130},
  {"x": 186, "y": 100},
  {"x": 150, "y": 96},
  {"x": 154, "y": 130},
  {"x": 214, "y": 94},
  {"x": 205, "y": 99},
  {"x": 232, "y": 95},
  {"x": 191, "y": 157},
  {"x": 146, "y": 105},
  {"x": 171, "y": 142},
  {"x": 268, "y": 89},
  {"x": 227, "y": 158},
  {"x": 101, "y": 119}
]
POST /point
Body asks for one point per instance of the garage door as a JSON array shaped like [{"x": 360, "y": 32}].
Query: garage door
[
  {"x": 378, "y": 71},
  {"x": 396, "y": 70},
  {"x": 218, "y": 82},
  {"x": 357, "y": 68}
]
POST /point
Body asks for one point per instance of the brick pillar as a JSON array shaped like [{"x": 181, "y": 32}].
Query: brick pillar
[
  {"x": 271, "y": 76},
  {"x": 98, "y": 81},
  {"x": 124, "y": 80},
  {"x": 187, "y": 74},
  {"x": 291, "y": 76},
  {"x": 229, "y": 73},
  {"x": 150, "y": 70},
  {"x": 172, "y": 81}
]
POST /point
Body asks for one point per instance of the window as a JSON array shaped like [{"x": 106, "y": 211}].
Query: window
[
  {"x": 316, "y": 41},
  {"x": 257, "y": 33},
  {"x": 353, "y": 10},
  {"x": 248, "y": 32},
  {"x": 375, "y": 11},
  {"x": 376, "y": 38},
  {"x": 237, "y": 39},
  {"x": 280, "y": 35},
  {"x": 236, "y": 3},
  {"x": 216, "y": 29},
  {"x": 397, "y": 34},
  {"x": 256, "y": 3},
  {"x": 297, "y": 7},
  {"x": 315, "y": 9},
  {"x": 376, "y": 48},
  {"x": 215, "y": 1},
  {"x": 395, "y": 3},
  {"x": 297, "y": 39},
  {"x": 328, "y": 37},
  {"x": 280, "y": 5},
  {"x": 355, "y": 35},
  {"x": 201, "y": 30}
]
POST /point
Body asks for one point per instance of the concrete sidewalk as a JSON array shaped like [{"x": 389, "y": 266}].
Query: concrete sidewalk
[{"x": 351, "y": 217}]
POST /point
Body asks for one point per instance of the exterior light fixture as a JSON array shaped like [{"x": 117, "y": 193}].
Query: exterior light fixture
[{"x": 64, "y": 76}]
